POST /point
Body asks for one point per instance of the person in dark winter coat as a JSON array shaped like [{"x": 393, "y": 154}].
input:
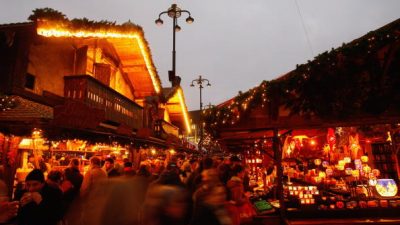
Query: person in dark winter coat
[
  {"x": 40, "y": 203},
  {"x": 72, "y": 180},
  {"x": 110, "y": 168}
]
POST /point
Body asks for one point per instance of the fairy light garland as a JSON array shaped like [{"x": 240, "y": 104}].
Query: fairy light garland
[
  {"x": 295, "y": 90},
  {"x": 7, "y": 102}
]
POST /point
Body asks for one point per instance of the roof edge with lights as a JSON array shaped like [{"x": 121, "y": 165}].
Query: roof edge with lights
[{"x": 51, "y": 23}]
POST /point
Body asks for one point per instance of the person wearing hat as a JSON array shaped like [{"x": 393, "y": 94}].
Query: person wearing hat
[{"x": 40, "y": 203}]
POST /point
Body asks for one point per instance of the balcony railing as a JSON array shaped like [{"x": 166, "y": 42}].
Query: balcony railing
[{"x": 93, "y": 93}]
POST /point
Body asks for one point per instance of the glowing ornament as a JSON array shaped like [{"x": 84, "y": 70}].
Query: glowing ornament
[
  {"x": 355, "y": 173},
  {"x": 364, "y": 159},
  {"x": 372, "y": 182},
  {"x": 386, "y": 187},
  {"x": 366, "y": 169},
  {"x": 349, "y": 171},
  {"x": 317, "y": 162},
  {"x": 341, "y": 163},
  {"x": 347, "y": 159},
  {"x": 339, "y": 167},
  {"x": 371, "y": 176},
  {"x": 376, "y": 172}
]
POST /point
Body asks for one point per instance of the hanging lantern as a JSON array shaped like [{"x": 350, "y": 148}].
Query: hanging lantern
[
  {"x": 331, "y": 139},
  {"x": 317, "y": 162},
  {"x": 364, "y": 159},
  {"x": 322, "y": 174},
  {"x": 347, "y": 159},
  {"x": 341, "y": 163},
  {"x": 349, "y": 171}
]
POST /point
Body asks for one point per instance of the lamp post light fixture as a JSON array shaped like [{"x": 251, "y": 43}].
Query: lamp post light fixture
[
  {"x": 174, "y": 12},
  {"x": 200, "y": 81}
]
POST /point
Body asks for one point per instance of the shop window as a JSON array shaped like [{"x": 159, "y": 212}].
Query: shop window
[{"x": 30, "y": 81}]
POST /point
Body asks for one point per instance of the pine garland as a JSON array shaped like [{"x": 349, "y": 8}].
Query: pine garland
[{"x": 360, "y": 77}]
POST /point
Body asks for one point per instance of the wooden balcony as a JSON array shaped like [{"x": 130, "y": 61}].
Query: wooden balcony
[{"x": 117, "y": 108}]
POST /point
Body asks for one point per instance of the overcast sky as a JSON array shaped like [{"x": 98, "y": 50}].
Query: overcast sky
[{"x": 234, "y": 43}]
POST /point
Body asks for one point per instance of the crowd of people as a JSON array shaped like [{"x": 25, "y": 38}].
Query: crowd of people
[{"x": 188, "y": 191}]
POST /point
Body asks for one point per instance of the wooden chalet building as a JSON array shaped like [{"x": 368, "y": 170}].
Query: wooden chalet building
[{"x": 85, "y": 79}]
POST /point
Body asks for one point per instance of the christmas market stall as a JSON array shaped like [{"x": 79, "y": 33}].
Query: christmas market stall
[
  {"x": 326, "y": 134},
  {"x": 90, "y": 87}
]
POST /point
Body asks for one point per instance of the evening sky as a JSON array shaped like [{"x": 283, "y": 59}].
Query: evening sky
[{"x": 235, "y": 44}]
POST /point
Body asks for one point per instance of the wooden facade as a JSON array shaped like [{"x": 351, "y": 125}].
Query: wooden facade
[{"x": 91, "y": 83}]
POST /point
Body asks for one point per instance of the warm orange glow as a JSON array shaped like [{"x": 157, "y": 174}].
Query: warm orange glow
[
  {"x": 300, "y": 137},
  {"x": 59, "y": 32},
  {"x": 184, "y": 110}
]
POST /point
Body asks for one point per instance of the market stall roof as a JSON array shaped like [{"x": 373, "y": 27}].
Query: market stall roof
[
  {"x": 356, "y": 84},
  {"x": 176, "y": 107},
  {"x": 127, "y": 42}
]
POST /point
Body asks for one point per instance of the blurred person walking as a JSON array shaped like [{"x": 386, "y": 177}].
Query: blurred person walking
[
  {"x": 71, "y": 185},
  {"x": 210, "y": 200},
  {"x": 167, "y": 201},
  {"x": 8, "y": 210},
  {"x": 93, "y": 193}
]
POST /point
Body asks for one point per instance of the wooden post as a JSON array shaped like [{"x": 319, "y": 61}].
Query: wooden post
[
  {"x": 279, "y": 188},
  {"x": 35, "y": 153}
]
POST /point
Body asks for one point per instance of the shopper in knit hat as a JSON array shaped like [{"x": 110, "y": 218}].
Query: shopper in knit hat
[{"x": 40, "y": 203}]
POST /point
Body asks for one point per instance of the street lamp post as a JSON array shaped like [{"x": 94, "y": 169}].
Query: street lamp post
[
  {"x": 200, "y": 81},
  {"x": 174, "y": 12}
]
